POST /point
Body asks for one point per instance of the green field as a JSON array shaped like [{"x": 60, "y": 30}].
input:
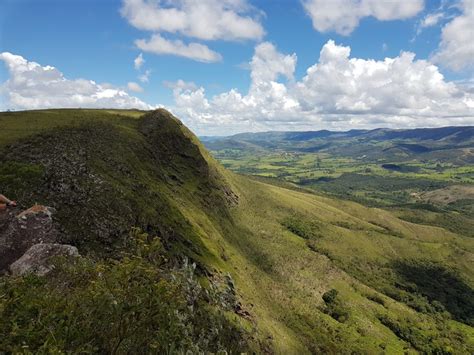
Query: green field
[
  {"x": 366, "y": 171},
  {"x": 304, "y": 168}
]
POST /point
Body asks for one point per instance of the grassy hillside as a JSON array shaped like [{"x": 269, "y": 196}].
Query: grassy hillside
[
  {"x": 392, "y": 169},
  {"x": 277, "y": 270}
]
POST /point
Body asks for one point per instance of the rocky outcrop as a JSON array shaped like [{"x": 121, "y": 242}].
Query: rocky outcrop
[
  {"x": 35, "y": 211},
  {"x": 19, "y": 231},
  {"x": 38, "y": 259}
]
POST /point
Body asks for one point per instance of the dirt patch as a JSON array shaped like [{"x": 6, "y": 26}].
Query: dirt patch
[{"x": 448, "y": 194}]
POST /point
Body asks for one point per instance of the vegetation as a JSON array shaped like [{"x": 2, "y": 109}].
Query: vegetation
[
  {"x": 335, "y": 306},
  {"x": 131, "y": 304},
  {"x": 302, "y": 228},
  {"x": 267, "y": 254},
  {"x": 426, "y": 176}
]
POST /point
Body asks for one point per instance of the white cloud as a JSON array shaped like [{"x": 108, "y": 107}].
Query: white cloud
[
  {"x": 394, "y": 86},
  {"x": 180, "y": 84},
  {"x": 343, "y": 16},
  {"x": 32, "y": 86},
  {"x": 134, "y": 87},
  {"x": 203, "y": 19},
  {"x": 145, "y": 77},
  {"x": 230, "y": 20},
  {"x": 159, "y": 45},
  {"x": 138, "y": 61},
  {"x": 456, "y": 50},
  {"x": 431, "y": 19},
  {"x": 267, "y": 64},
  {"x": 337, "y": 92}
]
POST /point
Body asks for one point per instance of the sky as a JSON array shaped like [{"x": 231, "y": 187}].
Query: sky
[{"x": 230, "y": 66}]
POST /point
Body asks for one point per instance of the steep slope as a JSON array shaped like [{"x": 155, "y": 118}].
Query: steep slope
[
  {"x": 113, "y": 176},
  {"x": 286, "y": 251}
]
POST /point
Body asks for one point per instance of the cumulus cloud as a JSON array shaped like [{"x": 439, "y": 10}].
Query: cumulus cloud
[
  {"x": 343, "y": 16},
  {"x": 138, "y": 61},
  {"x": 456, "y": 50},
  {"x": 159, "y": 45},
  {"x": 267, "y": 64},
  {"x": 394, "y": 86},
  {"x": 32, "y": 86},
  {"x": 230, "y": 20},
  {"x": 203, "y": 19},
  {"x": 337, "y": 92},
  {"x": 132, "y": 86}
]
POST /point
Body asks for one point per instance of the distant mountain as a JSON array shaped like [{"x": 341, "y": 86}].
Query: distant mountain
[
  {"x": 461, "y": 133},
  {"x": 381, "y": 143},
  {"x": 454, "y": 134},
  {"x": 294, "y": 135}
]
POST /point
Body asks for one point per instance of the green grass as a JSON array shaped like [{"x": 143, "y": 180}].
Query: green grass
[
  {"x": 362, "y": 178},
  {"x": 297, "y": 274},
  {"x": 20, "y": 124},
  {"x": 283, "y": 247},
  {"x": 298, "y": 167}
]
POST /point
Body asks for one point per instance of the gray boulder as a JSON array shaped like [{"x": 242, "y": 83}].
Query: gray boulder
[
  {"x": 20, "y": 231},
  {"x": 38, "y": 258}
]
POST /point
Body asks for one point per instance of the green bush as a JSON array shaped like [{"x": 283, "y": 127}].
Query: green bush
[
  {"x": 330, "y": 296},
  {"x": 335, "y": 306},
  {"x": 302, "y": 228},
  {"x": 376, "y": 298},
  {"x": 445, "y": 341},
  {"x": 132, "y": 305}
]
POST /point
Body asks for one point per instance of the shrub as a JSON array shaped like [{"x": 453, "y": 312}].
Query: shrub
[
  {"x": 131, "y": 305},
  {"x": 330, "y": 296},
  {"x": 376, "y": 298},
  {"x": 302, "y": 228},
  {"x": 442, "y": 342},
  {"x": 335, "y": 307}
]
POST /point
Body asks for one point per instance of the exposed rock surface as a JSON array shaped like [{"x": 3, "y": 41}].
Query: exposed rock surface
[
  {"x": 38, "y": 258},
  {"x": 20, "y": 231}
]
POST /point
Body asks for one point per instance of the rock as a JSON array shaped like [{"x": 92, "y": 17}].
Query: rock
[
  {"x": 38, "y": 258},
  {"x": 20, "y": 231},
  {"x": 36, "y": 211}
]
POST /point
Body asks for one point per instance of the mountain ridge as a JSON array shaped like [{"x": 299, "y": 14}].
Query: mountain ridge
[{"x": 436, "y": 133}]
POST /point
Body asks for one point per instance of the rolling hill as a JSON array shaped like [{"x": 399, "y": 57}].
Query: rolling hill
[
  {"x": 399, "y": 144},
  {"x": 180, "y": 254},
  {"x": 453, "y": 133}
]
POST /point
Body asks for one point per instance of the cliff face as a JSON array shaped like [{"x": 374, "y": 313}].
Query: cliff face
[{"x": 104, "y": 178}]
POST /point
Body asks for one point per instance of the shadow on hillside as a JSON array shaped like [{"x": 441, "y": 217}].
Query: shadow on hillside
[{"x": 439, "y": 284}]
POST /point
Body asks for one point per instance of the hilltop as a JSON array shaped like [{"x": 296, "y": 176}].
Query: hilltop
[{"x": 178, "y": 253}]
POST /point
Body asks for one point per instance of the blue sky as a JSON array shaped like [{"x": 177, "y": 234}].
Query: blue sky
[{"x": 97, "y": 40}]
